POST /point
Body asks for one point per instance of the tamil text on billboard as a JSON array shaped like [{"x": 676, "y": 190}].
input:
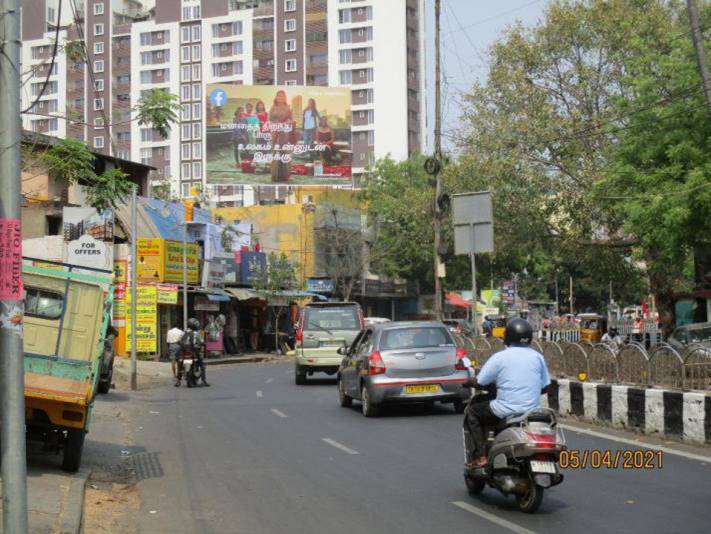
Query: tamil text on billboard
[{"x": 272, "y": 135}]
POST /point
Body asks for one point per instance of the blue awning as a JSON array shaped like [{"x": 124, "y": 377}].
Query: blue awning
[
  {"x": 301, "y": 294},
  {"x": 218, "y": 298}
]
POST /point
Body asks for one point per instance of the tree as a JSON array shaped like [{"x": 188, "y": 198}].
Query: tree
[
  {"x": 159, "y": 109},
  {"x": 659, "y": 175},
  {"x": 70, "y": 162},
  {"x": 271, "y": 280}
]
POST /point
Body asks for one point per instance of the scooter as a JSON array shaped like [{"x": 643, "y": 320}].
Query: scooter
[{"x": 522, "y": 452}]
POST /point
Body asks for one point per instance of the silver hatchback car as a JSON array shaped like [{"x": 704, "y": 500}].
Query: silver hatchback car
[{"x": 403, "y": 362}]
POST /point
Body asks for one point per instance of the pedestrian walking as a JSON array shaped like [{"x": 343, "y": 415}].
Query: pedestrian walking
[{"x": 173, "y": 338}]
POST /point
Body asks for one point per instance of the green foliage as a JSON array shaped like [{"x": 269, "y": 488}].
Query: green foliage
[
  {"x": 399, "y": 203},
  {"x": 70, "y": 162},
  {"x": 159, "y": 109},
  {"x": 279, "y": 274}
]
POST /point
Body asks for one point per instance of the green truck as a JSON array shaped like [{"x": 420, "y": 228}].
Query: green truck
[{"x": 67, "y": 320}]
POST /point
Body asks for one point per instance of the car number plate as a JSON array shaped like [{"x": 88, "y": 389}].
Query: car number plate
[
  {"x": 543, "y": 467},
  {"x": 421, "y": 388}
]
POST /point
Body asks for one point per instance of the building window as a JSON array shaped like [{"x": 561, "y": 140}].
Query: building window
[
  {"x": 197, "y": 91},
  {"x": 290, "y": 82},
  {"x": 289, "y": 5},
  {"x": 123, "y": 136},
  {"x": 99, "y": 65},
  {"x": 290, "y": 25},
  {"x": 185, "y": 34},
  {"x": 99, "y": 29},
  {"x": 98, "y": 104},
  {"x": 185, "y": 132},
  {"x": 197, "y": 170},
  {"x": 185, "y": 151},
  {"x": 98, "y": 85},
  {"x": 196, "y": 52},
  {"x": 53, "y": 125},
  {"x": 290, "y": 65},
  {"x": 185, "y": 73},
  {"x": 185, "y": 112},
  {"x": 197, "y": 151},
  {"x": 99, "y": 141},
  {"x": 185, "y": 92},
  {"x": 185, "y": 189},
  {"x": 344, "y": 15},
  {"x": 344, "y": 36},
  {"x": 345, "y": 56},
  {"x": 197, "y": 130},
  {"x": 290, "y": 45},
  {"x": 146, "y": 135},
  {"x": 184, "y": 54},
  {"x": 146, "y": 155},
  {"x": 98, "y": 122},
  {"x": 185, "y": 175},
  {"x": 99, "y": 8},
  {"x": 196, "y": 32},
  {"x": 346, "y": 77},
  {"x": 197, "y": 111},
  {"x": 99, "y": 47}
]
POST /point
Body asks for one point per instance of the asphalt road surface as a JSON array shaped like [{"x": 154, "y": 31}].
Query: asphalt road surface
[{"x": 256, "y": 454}]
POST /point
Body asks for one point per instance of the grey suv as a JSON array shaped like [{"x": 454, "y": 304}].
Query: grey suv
[{"x": 403, "y": 362}]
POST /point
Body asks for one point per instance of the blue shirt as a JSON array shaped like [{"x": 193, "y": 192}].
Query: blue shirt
[
  {"x": 309, "y": 119},
  {"x": 520, "y": 374}
]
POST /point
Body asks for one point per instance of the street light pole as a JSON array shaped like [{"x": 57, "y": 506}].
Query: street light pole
[
  {"x": 437, "y": 223},
  {"x": 185, "y": 276},
  {"x": 12, "y": 374}
]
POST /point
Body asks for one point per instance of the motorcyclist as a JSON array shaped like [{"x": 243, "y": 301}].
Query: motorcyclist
[
  {"x": 613, "y": 339},
  {"x": 520, "y": 376},
  {"x": 193, "y": 343}
]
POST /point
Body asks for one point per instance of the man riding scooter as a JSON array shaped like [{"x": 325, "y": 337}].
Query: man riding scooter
[
  {"x": 193, "y": 344},
  {"x": 520, "y": 376}
]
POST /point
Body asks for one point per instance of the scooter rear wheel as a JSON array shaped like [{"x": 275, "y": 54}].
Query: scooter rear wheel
[
  {"x": 474, "y": 485},
  {"x": 530, "y": 502}
]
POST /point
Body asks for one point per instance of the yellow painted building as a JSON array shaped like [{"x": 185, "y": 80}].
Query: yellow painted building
[{"x": 289, "y": 228}]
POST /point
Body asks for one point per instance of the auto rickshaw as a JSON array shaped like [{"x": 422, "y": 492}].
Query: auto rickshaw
[
  {"x": 592, "y": 327},
  {"x": 498, "y": 325}
]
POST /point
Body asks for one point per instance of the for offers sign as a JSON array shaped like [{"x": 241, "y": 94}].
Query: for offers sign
[{"x": 87, "y": 252}]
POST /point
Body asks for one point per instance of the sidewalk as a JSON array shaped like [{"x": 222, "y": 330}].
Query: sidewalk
[{"x": 55, "y": 499}]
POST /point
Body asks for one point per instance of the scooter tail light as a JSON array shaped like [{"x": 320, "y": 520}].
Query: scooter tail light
[
  {"x": 541, "y": 441},
  {"x": 376, "y": 365},
  {"x": 461, "y": 353}
]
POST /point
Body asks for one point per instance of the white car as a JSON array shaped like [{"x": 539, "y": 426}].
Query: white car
[{"x": 372, "y": 321}]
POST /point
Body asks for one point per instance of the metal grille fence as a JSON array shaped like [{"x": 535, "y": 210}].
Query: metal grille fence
[{"x": 662, "y": 365}]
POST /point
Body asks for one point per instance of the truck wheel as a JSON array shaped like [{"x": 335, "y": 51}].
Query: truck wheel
[
  {"x": 73, "y": 447},
  {"x": 105, "y": 383},
  {"x": 474, "y": 485},
  {"x": 299, "y": 376}
]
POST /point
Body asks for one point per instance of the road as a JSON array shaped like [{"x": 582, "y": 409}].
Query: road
[{"x": 256, "y": 454}]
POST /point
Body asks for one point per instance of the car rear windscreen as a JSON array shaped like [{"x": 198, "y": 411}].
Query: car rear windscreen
[
  {"x": 332, "y": 318},
  {"x": 415, "y": 338}
]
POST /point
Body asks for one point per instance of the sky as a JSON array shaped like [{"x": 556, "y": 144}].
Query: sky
[{"x": 469, "y": 27}]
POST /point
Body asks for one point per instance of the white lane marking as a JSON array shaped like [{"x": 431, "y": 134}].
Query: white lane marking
[
  {"x": 665, "y": 450},
  {"x": 513, "y": 527},
  {"x": 340, "y": 446},
  {"x": 278, "y": 413},
  {"x": 269, "y": 380},
  {"x": 260, "y": 394}
]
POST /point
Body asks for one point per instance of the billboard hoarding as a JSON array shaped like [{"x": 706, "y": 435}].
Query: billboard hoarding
[
  {"x": 161, "y": 260},
  {"x": 275, "y": 135},
  {"x": 146, "y": 319}
]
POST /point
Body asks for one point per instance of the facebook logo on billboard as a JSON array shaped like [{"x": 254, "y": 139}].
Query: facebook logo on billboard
[{"x": 218, "y": 97}]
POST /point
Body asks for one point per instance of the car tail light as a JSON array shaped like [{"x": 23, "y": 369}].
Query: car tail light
[
  {"x": 461, "y": 353},
  {"x": 376, "y": 366},
  {"x": 541, "y": 441}
]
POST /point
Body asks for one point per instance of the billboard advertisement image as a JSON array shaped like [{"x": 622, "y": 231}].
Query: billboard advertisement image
[{"x": 276, "y": 135}]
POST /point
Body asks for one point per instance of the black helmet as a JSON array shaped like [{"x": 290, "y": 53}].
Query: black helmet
[
  {"x": 193, "y": 324},
  {"x": 518, "y": 333}
]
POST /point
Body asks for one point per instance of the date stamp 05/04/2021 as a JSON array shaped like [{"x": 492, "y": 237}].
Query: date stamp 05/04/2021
[{"x": 610, "y": 459}]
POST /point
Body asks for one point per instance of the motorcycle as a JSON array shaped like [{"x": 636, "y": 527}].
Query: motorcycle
[
  {"x": 189, "y": 366},
  {"x": 523, "y": 453}
]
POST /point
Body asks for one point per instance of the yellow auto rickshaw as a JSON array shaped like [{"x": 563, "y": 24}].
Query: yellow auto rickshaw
[
  {"x": 592, "y": 327},
  {"x": 498, "y": 325}
]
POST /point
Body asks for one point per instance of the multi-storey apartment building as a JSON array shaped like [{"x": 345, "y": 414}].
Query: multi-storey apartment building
[{"x": 375, "y": 47}]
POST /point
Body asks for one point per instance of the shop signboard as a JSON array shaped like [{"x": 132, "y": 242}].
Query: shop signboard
[
  {"x": 120, "y": 279},
  {"x": 146, "y": 319},
  {"x": 88, "y": 235},
  {"x": 167, "y": 294},
  {"x": 213, "y": 275},
  {"x": 202, "y": 303},
  {"x": 174, "y": 262},
  {"x": 320, "y": 285},
  {"x": 251, "y": 263},
  {"x": 151, "y": 260}
]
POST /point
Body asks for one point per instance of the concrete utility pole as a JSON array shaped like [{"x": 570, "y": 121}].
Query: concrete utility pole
[
  {"x": 12, "y": 374},
  {"x": 571, "y": 296},
  {"x": 134, "y": 286},
  {"x": 437, "y": 223},
  {"x": 700, "y": 50}
]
